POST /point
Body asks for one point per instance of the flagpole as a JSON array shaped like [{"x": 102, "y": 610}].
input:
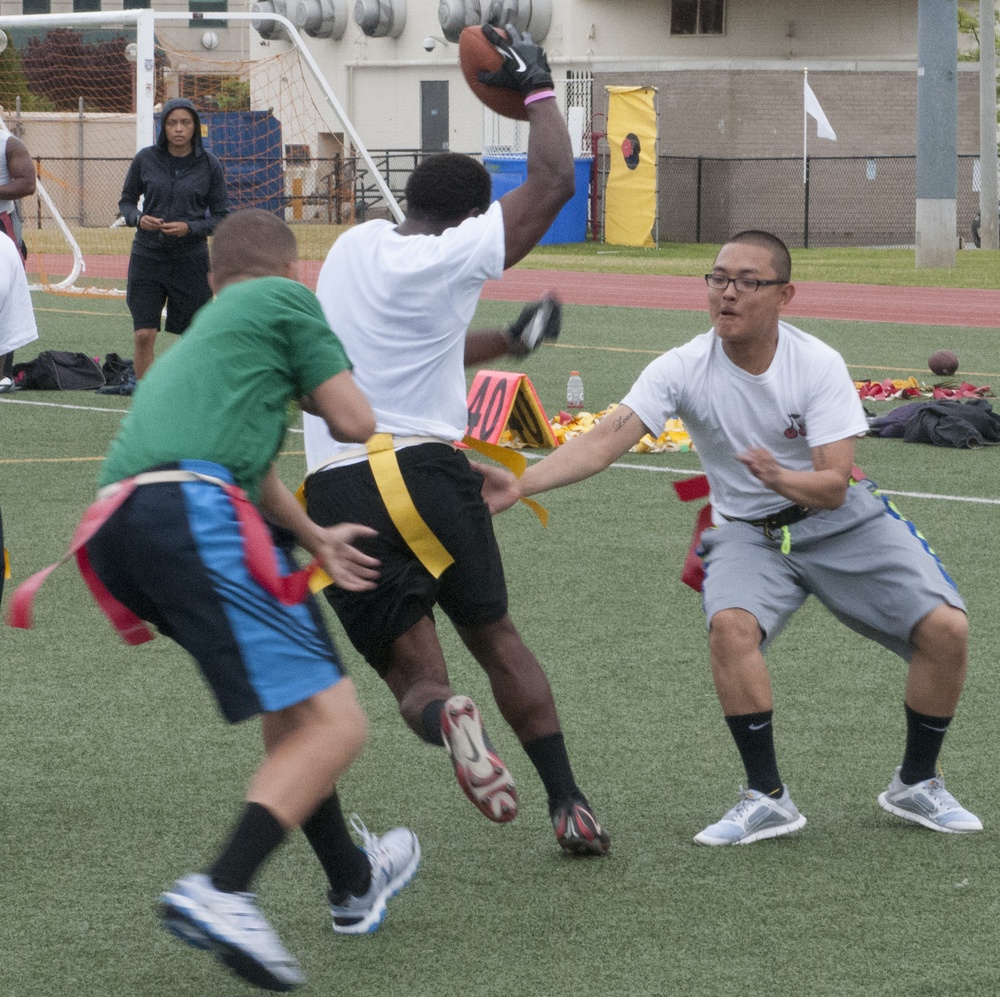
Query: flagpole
[
  {"x": 805, "y": 161},
  {"x": 805, "y": 123}
]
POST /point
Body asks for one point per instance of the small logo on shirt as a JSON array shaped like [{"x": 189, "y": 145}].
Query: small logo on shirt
[{"x": 796, "y": 427}]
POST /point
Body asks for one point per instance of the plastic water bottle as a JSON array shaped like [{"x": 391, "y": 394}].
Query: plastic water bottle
[{"x": 574, "y": 390}]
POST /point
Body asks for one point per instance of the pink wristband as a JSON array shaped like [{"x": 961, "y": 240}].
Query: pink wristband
[{"x": 538, "y": 95}]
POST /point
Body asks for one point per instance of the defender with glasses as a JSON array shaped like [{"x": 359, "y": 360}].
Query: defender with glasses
[{"x": 773, "y": 414}]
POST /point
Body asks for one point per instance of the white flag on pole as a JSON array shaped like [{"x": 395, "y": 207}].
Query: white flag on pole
[{"x": 823, "y": 127}]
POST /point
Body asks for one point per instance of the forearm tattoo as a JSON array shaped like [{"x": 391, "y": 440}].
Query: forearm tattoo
[{"x": 619, "y": 421}]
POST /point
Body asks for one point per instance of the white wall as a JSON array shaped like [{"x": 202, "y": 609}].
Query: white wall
[{"x": 377, "y": 80}]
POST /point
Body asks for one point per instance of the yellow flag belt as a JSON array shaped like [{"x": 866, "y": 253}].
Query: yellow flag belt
[{"x": 419, "y": 537}]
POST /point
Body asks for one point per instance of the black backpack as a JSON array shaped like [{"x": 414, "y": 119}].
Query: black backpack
[
  {"x": 116, "y": 369},
  {"x": 59, "y": 370}
]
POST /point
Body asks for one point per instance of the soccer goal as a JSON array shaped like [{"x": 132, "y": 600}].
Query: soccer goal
[{"x": 83, "y": 92}]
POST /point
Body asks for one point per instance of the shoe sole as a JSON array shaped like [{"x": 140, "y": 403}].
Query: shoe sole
[
  {"x": 181, "y": 919},
  {"x": 372, "y": 922},
  {"x": 593, "y": 840},
  {"x": 763, "y": 834},
  {"x": 914, "y": 818},
  {"x": 480, "y": 771},
  {"x": 582, "y": 848}
]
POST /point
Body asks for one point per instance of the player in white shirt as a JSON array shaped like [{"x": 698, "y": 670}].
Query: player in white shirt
[
  {"x": 17, "y": 328},
  {"x": 773, "y": 414},
  {"x": 17, "y": 180},
  {"x": 400, "y": 298}
]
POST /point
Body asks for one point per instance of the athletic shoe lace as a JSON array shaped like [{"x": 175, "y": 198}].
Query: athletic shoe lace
[
  {"x": 369, "y": 841},
  {"x": 747, "y": 802},
  {"x": 241, "y": 907},
  {"x": 941, "y": 797},
  {"x": 379, "y": 856},
  {"x": 243, "y": 915}
]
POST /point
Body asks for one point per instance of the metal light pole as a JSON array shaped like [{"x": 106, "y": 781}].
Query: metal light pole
[
  {"x": 937, "y": 133},
  {"x": 989, "y": 229}
]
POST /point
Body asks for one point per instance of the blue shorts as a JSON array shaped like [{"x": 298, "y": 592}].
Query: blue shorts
[
  {"x": 173, "y": 554},
  {"x": 866, "y": 563}
]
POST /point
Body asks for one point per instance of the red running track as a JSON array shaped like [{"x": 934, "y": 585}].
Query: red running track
[{"x": 813, "y": 299}]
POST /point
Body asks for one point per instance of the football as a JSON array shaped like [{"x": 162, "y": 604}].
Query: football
[
  {"x": 944, "y": 363},
  {"x": 476, "y": 54}
]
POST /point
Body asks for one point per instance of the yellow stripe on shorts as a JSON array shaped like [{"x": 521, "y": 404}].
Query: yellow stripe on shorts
[{"x": 418, "y": 535}]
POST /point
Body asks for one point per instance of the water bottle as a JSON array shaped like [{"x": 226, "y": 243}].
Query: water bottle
[{"x": 574, "y": 390}]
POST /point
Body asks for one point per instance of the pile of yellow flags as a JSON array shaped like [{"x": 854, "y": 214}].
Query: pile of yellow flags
[{"x": 673, "y": 439}]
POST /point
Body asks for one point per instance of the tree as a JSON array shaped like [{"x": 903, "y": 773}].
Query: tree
[
  {"x": 968, "y": 24},
  {"x": 14, "y": 85},
  {"x": 233, "y": 95},
  {"x": 63, "y": 67}
]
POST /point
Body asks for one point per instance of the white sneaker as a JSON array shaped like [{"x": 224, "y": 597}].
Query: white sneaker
[
  {"x": 394, "y": 859},
  {"x": 754, "y": 818},
  {"x": 232, "y": 927},
  {"x": 929, "y": 804},
  {"x": 6, "y": 384}
]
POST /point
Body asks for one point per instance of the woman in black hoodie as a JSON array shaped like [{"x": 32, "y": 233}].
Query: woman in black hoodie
[{"x": 183, "y": 191}]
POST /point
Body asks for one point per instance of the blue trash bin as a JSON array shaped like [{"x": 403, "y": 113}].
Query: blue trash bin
[{"x": 570, "y": 224}]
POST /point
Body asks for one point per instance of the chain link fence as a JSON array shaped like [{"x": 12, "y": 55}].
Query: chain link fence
[
  {"x": 338, "y": 191},
  {"x": 825, "y": 202},
  {"x": 842, "y": 201}
]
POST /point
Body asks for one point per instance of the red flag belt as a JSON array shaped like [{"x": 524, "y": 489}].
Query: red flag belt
[{"x": 259, "y": 556}]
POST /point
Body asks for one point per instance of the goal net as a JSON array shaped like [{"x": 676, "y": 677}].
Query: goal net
[{"x": 69, "y": 91}]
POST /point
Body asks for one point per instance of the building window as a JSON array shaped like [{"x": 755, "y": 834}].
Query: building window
[
  {"x": 203, "y": 9},
  {"x": 36, "y": 7},
  {"x": 698, "y": 17},
  {"x": 85, "y": 6},
  {"x": 135, "y": 5}
]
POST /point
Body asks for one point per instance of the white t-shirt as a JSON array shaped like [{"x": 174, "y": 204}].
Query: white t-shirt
[
  {"x": 17, "y": 319},
  {"x": 805, "y": 399},
  {"x": 401, "y": 305},
  {"x": 7, "y": 206}
]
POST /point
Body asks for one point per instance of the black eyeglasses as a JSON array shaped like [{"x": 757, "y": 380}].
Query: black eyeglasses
[{"x": 719, "y": 282}]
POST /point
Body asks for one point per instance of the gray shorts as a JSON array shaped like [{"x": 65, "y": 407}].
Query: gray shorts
[{"x": 866, "y": 563}]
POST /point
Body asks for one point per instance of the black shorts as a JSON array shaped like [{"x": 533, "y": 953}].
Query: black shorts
[
  {"x": 180, "y": 283},
  {"x": 446, "y": 492}
]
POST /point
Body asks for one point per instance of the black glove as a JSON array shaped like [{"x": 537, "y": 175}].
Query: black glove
[
  {"x": 524, "y": 68},
  {"x": 537, "y": 322}
]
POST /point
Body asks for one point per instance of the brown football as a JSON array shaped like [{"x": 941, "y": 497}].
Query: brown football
[
  {"x": 476, "y": 54},
  {"x": 944, "y": 363}
]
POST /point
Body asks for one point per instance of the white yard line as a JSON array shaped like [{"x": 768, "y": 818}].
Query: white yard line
[{"x": 687, "y": 471}]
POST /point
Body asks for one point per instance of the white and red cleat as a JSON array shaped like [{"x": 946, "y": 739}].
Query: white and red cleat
[{"x": 480, "y": 772}]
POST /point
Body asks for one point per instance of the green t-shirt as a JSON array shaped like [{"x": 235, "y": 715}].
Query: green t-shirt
[{"x": 221, "y": 392}]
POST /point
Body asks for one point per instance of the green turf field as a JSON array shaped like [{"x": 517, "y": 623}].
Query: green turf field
[{"x": 117, "y": 775}]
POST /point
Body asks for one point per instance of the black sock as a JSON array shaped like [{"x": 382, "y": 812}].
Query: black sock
[
  {"x": 430, "y": 720},
  {"x": 548, "y": 755},
  {"x": 256, "y": 835},
  {"x": 924, "y": 735},
  {"x": 754, "y": 737},
  {"x": 7, "y": 365},
  {"x": 346, "y": 866}
]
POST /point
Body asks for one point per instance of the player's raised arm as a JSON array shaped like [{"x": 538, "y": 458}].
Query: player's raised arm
[{"x": 531, "y": 208}]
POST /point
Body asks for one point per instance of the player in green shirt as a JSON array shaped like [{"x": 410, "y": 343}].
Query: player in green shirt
[{"x": 180, "y": 552}]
